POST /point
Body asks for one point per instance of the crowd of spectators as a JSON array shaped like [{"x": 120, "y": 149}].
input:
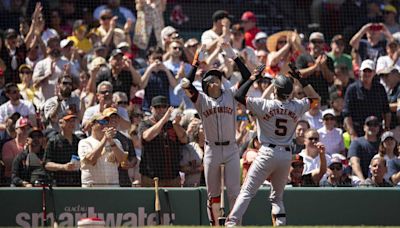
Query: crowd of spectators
[{"x": 95, "y": 98}]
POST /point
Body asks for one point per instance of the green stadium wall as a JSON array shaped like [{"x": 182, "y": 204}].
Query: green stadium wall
[{"x": 135, "y": 206}]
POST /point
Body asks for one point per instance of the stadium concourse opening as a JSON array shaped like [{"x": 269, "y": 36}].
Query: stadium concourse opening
[{"x": 131, "y": 94}]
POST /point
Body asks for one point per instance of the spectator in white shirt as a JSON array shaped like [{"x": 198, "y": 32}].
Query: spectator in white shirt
[
  {"x": 314, "y": 157},
  {"x": 100, "y": 154},
  {"x": 15, "y": 104},
  {"x": 314, "y": 117},
  {"x": 330, "y": 136}
]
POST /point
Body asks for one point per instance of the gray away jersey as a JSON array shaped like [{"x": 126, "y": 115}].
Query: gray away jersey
[
  {"x": 276, "y": 120},
  {"x": 218, "y": 116}
]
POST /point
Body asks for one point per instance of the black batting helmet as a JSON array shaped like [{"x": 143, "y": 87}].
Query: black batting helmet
[
  {"x": 207, "y": 77},
  {"x": 284, "y": 86}
]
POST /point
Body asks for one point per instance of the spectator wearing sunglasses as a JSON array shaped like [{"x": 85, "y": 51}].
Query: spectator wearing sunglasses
[
  {"x": 317, "y": 67},
  {"x": 100, "y": 154},
  {"x": 162, "y": 140},
  {"x": 363, "y": 149},
  {"x": 56, "y": 107},
  {"x": 314, "y": 156},
  {"x": 104, "y": 97},
  {"x": 336, "y": 176},
  {"x": 26, "y": 88},
  {"x": 127, "y": 145},
  {"x": 331, "y": 136}
]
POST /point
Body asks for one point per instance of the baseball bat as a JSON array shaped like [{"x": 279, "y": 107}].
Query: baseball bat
[
  {"x": 222, "y": 217},
  {"x": 55, "y": 223},
  {"x": 171, "y": 220},
  {"x": 157, "y": 205}
]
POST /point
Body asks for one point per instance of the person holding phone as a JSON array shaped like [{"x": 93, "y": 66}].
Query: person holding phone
[{"x": 374, "y": 46}]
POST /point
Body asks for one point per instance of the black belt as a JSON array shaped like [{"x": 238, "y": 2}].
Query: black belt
[
  {"x": 273, "y": 146},
  {"x": 219, "y": 143}
]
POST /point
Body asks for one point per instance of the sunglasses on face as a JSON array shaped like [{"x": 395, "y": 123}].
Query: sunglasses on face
[
  {"x": 177, "y": 48},
  {"x": 25, "y": 72},
  {"x": 329, "y": 118},
  {"x": 67, "y": 83},
  {"x": 102, "y": 122},
  {"x": 367, "y": 71},
  {"x": 123, "y": 103},
  {"x": 317, "y": 41},
  {"x": 105, "y": 18},
  {"x": 262, "y": 41},
  {"x": 337, "y": 167},
  {"x": 313, "y": 139},
  {"x": 160, "y": 106},
  {"x": 105, "y": 92}
]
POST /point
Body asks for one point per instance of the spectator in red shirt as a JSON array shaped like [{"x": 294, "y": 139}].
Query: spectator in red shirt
[{"x": 249, "y": 22}]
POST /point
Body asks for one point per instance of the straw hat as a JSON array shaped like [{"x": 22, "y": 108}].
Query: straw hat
[{"x": 273, "y": 39}]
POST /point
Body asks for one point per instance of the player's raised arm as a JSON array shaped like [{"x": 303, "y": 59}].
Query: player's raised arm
[
  {"x": 240, "y": 95},
  {"x": 244, "y": 71},
  {"x": 308, "y": 89},
  {"x": 187, "y": 81}
]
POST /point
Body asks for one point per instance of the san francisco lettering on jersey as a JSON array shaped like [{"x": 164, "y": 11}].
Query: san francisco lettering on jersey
[
  {"x": 215, "y": 110},
  {"x": 280, "y": 111}
]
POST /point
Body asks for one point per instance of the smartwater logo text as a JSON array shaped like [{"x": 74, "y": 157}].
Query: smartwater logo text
[{"x": 72, "y": 215}]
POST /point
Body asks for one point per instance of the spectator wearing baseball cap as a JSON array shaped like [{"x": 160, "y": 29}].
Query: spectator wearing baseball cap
[
  {"x": 260, "y": 41},
  {"x": 100, "y": 154},
  {"x": 331, "y": 136},
  {"x": 120, "y": 73},
  {"x": 388, "y": 149},
  {"x": 358, "y": 98},
  {"x": 15, "y": 146},
  {"x": 162, "y": 140},
  {"x": 390, "y": 18},
  {"x": 317, "y": 67},
  {"x": 249, "y": 23},
  {"x": 168, "y": 33},
  {"x": 221, "y": 22},
  {"x": 27, "y": 166},
  {"x": 363, "y": 149},
  {"x": 127, "y": 146},
  {"x": 13, "y": 54},
  {"x": 60, "y": 150},
  {"x": 338, "y": 44},
  {"x": 296, "y": 176},
  {"x": 336, "y": 177},
  {"x": 26, "y": 88},
  {"x": 79, "y": 32}
]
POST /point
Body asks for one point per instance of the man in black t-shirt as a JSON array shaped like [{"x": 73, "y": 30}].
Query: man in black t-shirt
[
  {"x": 121, "y": 73},
  {"x": 317, "y": 67},
  {"x": 59, "y": 154},
  {"x": 161, "y": 151}
]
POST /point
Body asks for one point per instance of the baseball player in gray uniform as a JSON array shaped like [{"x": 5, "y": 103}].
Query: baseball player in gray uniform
[
  {"x": 276, "y": 123},
  {"x": 217, "y": 109}
]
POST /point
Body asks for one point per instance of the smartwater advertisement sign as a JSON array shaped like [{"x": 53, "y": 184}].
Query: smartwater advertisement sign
[{"x": 117, "y": 207}]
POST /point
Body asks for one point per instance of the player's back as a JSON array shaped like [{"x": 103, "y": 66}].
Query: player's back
[{"x": 276, "y": 119}]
